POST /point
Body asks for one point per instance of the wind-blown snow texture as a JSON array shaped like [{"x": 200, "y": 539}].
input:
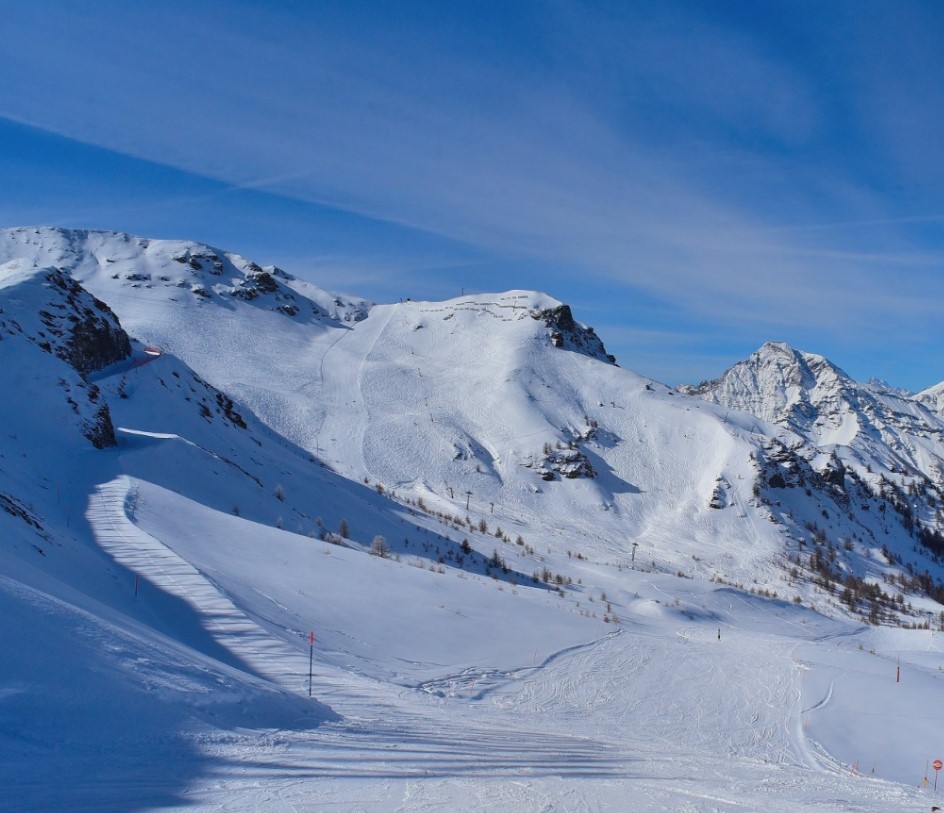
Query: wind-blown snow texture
[{"x": 596, "y": 591}]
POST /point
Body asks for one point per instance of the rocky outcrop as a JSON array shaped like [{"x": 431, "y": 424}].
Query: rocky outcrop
[
  {"x": 568, "y": 334},
  {"x": 80, "y": 329}
]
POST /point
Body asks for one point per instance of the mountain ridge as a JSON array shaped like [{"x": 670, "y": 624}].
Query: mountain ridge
[
  {"x": 501, "y": 398},
  {"x": 481, "y": 514}
]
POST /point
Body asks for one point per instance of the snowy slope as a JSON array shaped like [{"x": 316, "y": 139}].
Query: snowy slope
[
  {"x": 933, "y": 398},
  {"x": 164, "y": 291},
  {"x": 480, "y": 397},
  {"x": 152, "y": 537},
  {"x": 175, "y": 574}
]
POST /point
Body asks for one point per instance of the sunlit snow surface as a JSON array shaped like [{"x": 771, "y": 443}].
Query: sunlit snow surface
[{"x": 155, "y": 634}]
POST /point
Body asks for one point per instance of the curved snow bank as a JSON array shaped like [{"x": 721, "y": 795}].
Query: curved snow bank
[{"x": 159, "y": 566}]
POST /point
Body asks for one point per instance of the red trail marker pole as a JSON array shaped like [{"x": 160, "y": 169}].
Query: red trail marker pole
[{"x": 311, "y": 658}]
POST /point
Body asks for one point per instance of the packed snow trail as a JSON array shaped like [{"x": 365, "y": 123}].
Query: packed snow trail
[
  {"x": 560, "y": 730},
  {"x": 566, "y": 731},
  {"x": 422, "y": 753},
  {"x": 153, "y": 562}
]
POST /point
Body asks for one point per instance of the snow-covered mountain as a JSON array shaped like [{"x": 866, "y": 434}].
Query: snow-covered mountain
[
  {"x": 894, "y": 442},
  {"x": 199, "y": 456},
  {"x": 499, "y": 401},
  {"x": 501, "y": 408},
  {"x": 814, "y": 398}
]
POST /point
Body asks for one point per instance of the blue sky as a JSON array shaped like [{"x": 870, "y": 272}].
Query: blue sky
[{"x": 693, "y": 178}]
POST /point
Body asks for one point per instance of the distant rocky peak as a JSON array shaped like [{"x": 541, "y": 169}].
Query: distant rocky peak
[
  {"x": 777, "y": 383},
  {"x": 797, "y": 368}
]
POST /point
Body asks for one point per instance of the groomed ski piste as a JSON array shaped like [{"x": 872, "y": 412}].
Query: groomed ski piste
[
  {"x": 158, "y": 596},
  {"x": 434, "y": 691}
]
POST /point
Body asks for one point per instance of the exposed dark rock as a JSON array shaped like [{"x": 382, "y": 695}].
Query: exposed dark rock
[
  {"x": 90, "y": 336},
  {"x": 570, "y": 463},
  {"x": 15, "y": 508},
  {"x": 568, "y": 334},
  {"x": 257, "y": 282},
  {"x": 101, "y": 431},
  {"x": 834, "y": 472},
  {"x": 229, "y": 410}
]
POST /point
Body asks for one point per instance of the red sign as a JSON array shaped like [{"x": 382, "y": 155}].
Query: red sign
[{"x": 937, "y": 765}]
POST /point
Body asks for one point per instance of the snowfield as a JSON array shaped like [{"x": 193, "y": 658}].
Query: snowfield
[{"x": 584, "y": 602}]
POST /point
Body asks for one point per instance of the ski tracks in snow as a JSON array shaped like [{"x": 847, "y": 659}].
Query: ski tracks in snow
[
  {"x": 690, "y": 694},
  {"x": 344, "y": 425},
  {"x": 475, "y": 683}
]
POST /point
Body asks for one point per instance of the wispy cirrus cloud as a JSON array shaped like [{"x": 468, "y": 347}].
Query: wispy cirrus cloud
[{"x": 661, "y": 150}]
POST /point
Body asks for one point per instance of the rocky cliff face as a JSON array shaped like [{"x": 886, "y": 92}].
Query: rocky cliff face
[
  {"x": 569, "y": 334},
  {"x": 80, "y": 329},
  {"x": 57, "y": 316}
]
